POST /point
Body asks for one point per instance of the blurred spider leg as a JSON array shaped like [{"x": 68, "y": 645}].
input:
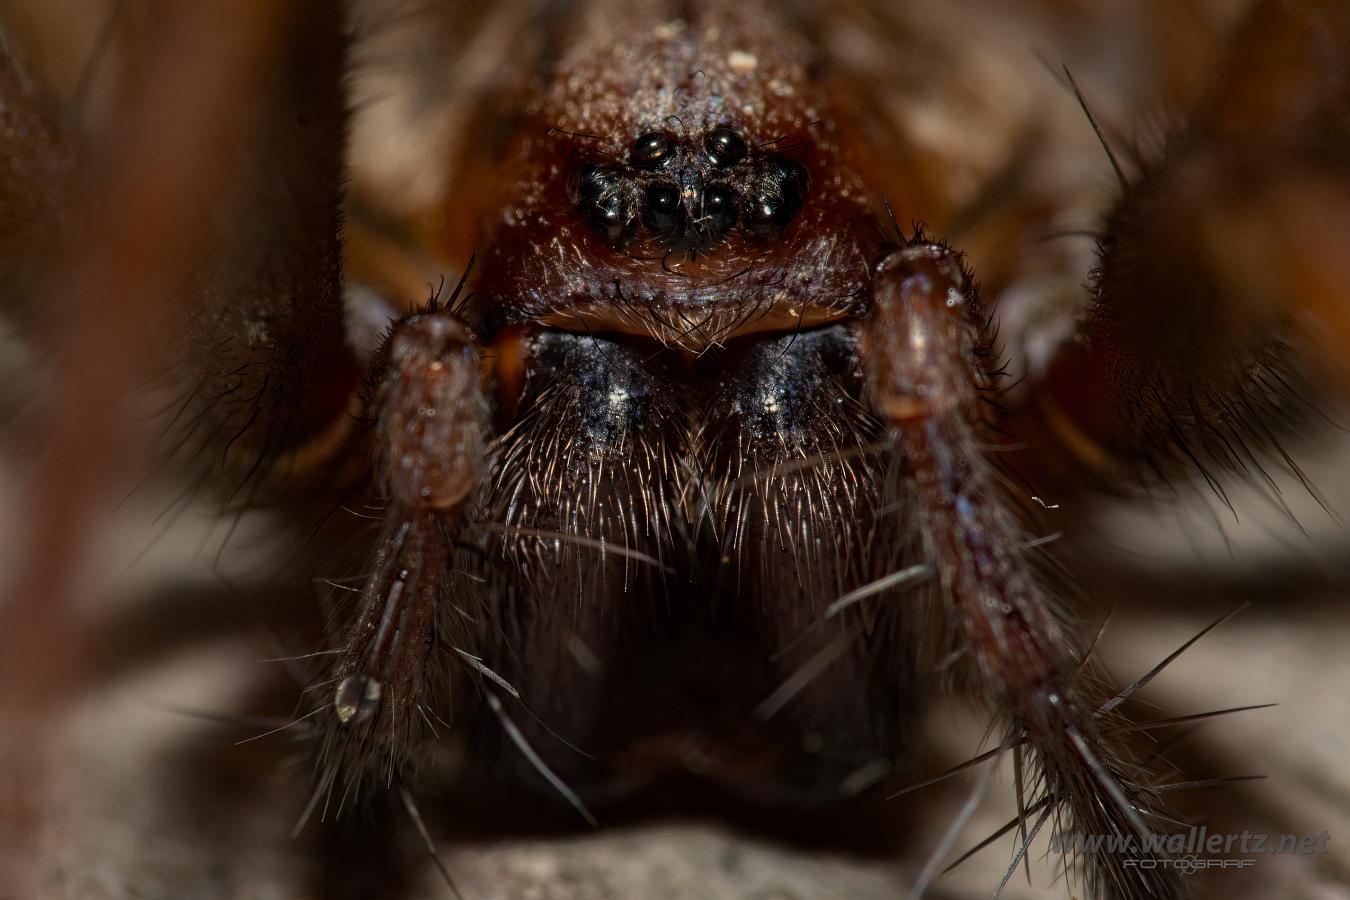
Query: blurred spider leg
[
  {"x": 922, "y": 347},
  {"x": 129, "y": 243},
  {"x": 33, "y": 164},
  {"x": 1221, "y": 311},
  {"x": 265, "y": 356}
]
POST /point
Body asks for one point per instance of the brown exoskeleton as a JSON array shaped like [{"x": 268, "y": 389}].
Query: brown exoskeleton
[{"x": 700, "y": 467}]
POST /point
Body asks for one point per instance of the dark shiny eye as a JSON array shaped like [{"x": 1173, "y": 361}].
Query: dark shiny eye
[
  {"x": 778, "y": 197},
  {"x": 600, "y": 200},
  {"x": 720, "y": 207},
  {"x": 724, "y": 147},
  {"x": 661, "y": 213},
  {"x": 651, "y": 150}
]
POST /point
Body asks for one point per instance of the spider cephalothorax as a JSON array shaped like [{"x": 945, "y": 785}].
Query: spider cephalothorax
[{"x": 682, "y": 200}]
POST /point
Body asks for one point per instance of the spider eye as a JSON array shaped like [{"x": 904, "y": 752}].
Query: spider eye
[
  {"x": 778, "y": 198},
  {"x": 720, "y": 207},
  {"x": 662, "y": 212},
  {"x": 724, "y": 147},
  {"x": 650, "y": 150},
  {"x": 601, "y": 202}
]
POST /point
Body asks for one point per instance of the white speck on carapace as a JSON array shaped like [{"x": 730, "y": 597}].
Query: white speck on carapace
[{"x": 741, "y": 62}]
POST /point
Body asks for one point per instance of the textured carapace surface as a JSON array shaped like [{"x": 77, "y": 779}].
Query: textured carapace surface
[{"x": 680, "y": 175}]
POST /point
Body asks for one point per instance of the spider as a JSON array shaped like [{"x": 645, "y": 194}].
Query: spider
[{"x": 705, "y": 463}]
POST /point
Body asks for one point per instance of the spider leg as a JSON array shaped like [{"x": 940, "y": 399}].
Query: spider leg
[
  {"x": 120, "y": 226},
  {"x": 241, "y": 228},
  {"x": 33, "y": 162},
  {"x": 1221, "y": 310},
  {"x": 922, "y": 353},
  {"x": 389, "y": 684},
  {"x": 271, "y": 379}
]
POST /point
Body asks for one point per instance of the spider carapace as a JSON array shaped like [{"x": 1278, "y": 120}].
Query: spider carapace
[{"x": 686, "y": 185}]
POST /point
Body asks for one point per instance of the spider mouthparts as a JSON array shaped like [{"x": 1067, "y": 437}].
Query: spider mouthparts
[{"x": 695, "y": 328}]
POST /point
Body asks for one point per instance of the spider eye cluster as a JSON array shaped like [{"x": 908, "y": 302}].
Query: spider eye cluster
[{"x": 691, "y": 192}]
